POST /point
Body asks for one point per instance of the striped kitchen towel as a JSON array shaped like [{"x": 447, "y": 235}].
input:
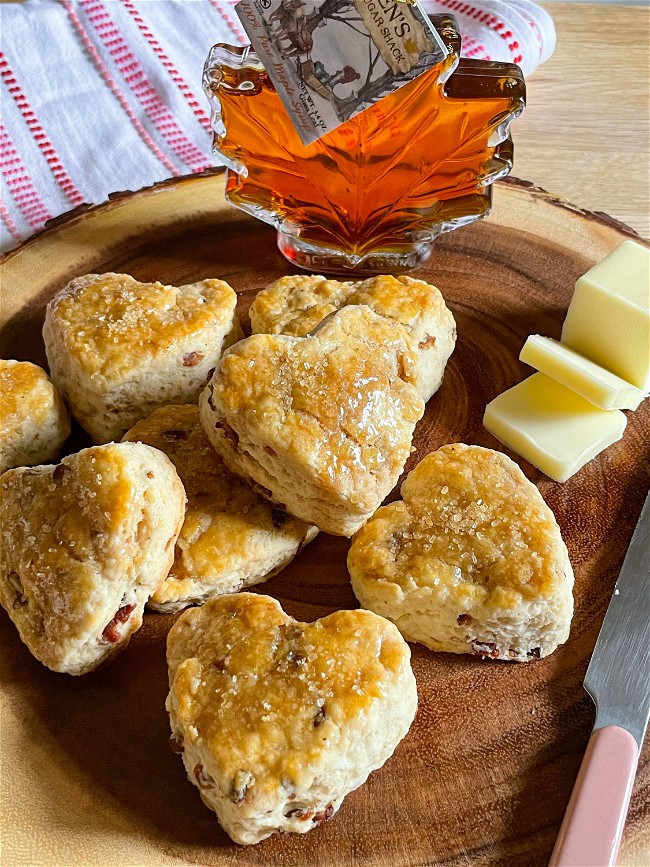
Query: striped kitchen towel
[{"x": 105, "y": 95}]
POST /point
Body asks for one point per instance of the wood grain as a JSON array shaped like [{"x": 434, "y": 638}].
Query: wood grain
[{"x": 486, "y": 771}]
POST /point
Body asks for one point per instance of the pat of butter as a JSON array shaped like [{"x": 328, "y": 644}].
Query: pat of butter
[
  {"x": 551, "y": 426},
  {"x": 587, "y": 379},
  {"x": 608, "y": 320}
]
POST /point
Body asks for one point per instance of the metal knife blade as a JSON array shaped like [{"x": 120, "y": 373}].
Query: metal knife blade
[{"x": 618, "y": 677}]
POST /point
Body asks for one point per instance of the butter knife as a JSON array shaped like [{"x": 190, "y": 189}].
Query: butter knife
[{"x": 618, "y": 680}]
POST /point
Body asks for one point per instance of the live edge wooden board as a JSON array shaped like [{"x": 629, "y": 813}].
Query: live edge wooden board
[{"x": 485, "y": 773}]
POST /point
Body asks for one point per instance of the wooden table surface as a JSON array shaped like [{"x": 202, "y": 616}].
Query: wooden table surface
[{"x": 585, "y": 132}]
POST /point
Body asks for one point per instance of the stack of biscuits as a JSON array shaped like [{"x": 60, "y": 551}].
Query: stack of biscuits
[{"x": 217, "y": 457}]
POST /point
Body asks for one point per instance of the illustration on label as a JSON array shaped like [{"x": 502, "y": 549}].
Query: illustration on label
[{"x": 331, "y": 59}]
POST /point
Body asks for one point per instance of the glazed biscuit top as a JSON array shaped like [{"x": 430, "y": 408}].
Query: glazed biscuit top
[
  {"x": 68, "y": 528},
  {"x": 111, "y": 323},
  {"x": 266, "y": 695},
  {"x": 26, "y": 392},
  {"x": 223, "y": 513},
  {"x": 470, "y": 525},
  {"x": 341, "y": 402},
  {"x": 295, "y": 305}
]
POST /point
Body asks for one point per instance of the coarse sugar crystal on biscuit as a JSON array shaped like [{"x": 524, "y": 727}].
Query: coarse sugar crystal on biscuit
[
  {"x": 323, "y": 424},
  {"x": 231, "y": 537},
  {"x": 34, "y": 422},
  {"x": 83, "y": 546},
  {"x": 470, "y": 560},
  {"x": 119, "y": 348},
  {"x": 296, "y": 304},
  {"x": 277, "y": 720}
]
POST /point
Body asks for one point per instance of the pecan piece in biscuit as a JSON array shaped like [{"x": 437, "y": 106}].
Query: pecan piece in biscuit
[
  {"x": 111, "y": 632},
  {"x": 485, "y": 648},
  {"x": 203, "y": 779},
  {"x": 191, "y": 359},
  {"x": 299, "y": 813},
  {"x": 324, "y": 815}
]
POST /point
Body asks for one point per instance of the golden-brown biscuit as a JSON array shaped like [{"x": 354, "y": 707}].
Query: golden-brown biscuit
[
  {"x": 324, "y": 423},
  {"x": 84, "y": 545},
  {"x": 231, "y": 537},
  {"x": 278, "y": 720},
  {"x": 471, "y": 560},
  {"x": 34, "y": 423},
  {"x": 296, "y": 304},
  {"x": 118, "y": 349}
]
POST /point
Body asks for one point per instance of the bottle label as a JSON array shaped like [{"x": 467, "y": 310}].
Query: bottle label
[{"x": 331, "y": 59}]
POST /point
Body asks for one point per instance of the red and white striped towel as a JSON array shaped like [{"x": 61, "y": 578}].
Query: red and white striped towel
[{"x": 105, "y": 95}]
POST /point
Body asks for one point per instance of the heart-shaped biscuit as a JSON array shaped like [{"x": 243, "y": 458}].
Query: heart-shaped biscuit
[
  {"x": 84, "y": 545},
  {"x": 278, "y": 720},
  {"x": 118, "y": 348},
  {"x": 323, "y": 423},
  {"x": 297, "y": 303},
  {"x": 471, "y": 560}
]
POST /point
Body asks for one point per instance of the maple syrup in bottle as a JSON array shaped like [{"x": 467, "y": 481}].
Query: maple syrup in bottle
[{"x": 371, "y": 195}]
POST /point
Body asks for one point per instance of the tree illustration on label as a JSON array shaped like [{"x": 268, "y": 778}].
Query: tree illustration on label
[
  {"x": 289, "y": 27},
  {"x": 320, "y": 81},
  {"x": 387, "y": 42}
]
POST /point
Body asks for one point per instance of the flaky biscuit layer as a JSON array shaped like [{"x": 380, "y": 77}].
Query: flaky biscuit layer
[{"x": 231, "y": 537}]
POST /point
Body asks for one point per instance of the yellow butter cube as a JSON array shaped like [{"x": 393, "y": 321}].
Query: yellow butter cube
[
  {"x": 587, "y": 379},
  {"x": 608, "y": 320},
  {"x": 551, "y": 426}
]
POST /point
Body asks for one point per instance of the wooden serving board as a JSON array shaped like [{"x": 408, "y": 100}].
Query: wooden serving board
[{"x": 485, "y": 773}]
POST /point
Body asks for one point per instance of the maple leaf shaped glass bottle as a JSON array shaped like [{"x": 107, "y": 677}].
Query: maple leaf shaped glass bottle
[{"x": 372, "y": 195}]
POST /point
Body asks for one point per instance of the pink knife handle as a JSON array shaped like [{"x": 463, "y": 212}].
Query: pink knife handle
[{"x": 593, "y": 823}]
